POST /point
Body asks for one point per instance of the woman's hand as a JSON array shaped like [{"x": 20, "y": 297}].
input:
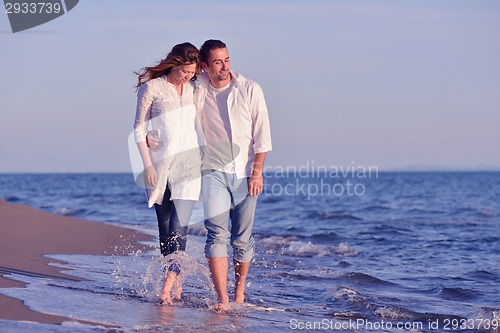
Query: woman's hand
[{"x": 150, "y": 176}]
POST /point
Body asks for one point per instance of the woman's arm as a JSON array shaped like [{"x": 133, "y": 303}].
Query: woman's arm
[
  {"x": 142, "y": 117},
  {"x": 149, "y": 169}
]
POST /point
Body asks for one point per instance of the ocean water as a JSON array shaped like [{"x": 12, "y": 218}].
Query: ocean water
[{"x": 358, "y": 252}]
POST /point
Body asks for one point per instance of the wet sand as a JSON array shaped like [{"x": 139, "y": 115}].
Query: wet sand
[{"x": 27, "y": 234}]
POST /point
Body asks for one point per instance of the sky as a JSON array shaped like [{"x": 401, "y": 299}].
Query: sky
[{"x": 400, "y": 85}]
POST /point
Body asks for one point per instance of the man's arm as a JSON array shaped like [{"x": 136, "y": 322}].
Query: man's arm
[
  {"x": 256, "y": 181},
  {"x": 261, "y": 134},
  {"x": 261, "y": 129}
]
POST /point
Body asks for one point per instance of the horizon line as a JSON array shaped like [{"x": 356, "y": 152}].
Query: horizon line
[{"x": 384, "y": 170}]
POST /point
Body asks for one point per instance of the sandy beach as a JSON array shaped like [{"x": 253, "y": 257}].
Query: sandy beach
[{"x": 29, "y": 234}]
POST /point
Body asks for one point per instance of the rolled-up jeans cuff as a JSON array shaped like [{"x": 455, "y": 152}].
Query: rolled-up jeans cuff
[
  {"x": 216, "y": 250},
  {"x": 246, "y": 257}
]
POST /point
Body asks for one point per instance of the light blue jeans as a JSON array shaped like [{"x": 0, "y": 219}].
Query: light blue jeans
[{"x": 226, "y": 197}]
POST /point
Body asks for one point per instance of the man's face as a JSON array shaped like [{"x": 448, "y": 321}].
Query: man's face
[{"x": 218, "y": 66}]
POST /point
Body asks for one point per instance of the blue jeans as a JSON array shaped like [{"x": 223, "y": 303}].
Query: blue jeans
[
  {"x": 226, "y": 197},
  {"x": 173, "y": 218}
]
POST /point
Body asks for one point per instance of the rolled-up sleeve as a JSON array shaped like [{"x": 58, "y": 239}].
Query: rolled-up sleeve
[
  {"x": 260, "y": 121},
  {"x": 143, "y": 112}
]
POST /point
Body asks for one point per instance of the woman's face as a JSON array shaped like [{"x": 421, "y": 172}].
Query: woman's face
[{"x": 182, "y": 74}]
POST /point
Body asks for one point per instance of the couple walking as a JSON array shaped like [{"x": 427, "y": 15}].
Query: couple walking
[{"x": 209, "y": 139}]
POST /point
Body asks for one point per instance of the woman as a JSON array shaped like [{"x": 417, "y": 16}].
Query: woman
[{"x": 172, "y": 173}]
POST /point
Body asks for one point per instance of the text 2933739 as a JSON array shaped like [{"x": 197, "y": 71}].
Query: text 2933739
[
  {"x": 33, "y": 8},
  {"x": 470, "y": 324}
]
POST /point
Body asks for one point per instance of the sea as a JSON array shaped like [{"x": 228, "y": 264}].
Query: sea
[{"x": 335, "y": 251}]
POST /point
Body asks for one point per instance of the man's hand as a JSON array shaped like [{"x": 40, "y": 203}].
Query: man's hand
[
  {"x": 153, "y": 141},
  {"x": 150, "y": 176},
  {"x": 255, "y": 184},
  {"x": 256, "y": 181}
]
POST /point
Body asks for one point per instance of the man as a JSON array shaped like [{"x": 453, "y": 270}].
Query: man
[
  {"x": 238, "y": 136},
  {"x": 236, "y": 127}
]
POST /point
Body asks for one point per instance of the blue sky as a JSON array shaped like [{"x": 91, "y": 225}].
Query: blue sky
[{"x": 392, "y": 84}]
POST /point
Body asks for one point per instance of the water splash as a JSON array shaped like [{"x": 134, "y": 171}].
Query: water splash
[
  {"x": 346, "y": 250},
  {"x": 142, "y": 275},
  {"x": 196, "y": 275}
]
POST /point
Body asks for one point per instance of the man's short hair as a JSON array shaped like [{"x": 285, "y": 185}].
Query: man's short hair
[{"x": 208, "y": 46}]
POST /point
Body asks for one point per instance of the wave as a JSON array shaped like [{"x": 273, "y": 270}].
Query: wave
[
  {"x": 314, "y": 274},
  {"x": 276, "y": 239},
  {"x": 344, "y": 264},
  {"x": 375, "y": 208},
  {"x": 485, "y": 212},
  {"x": 358, "y": 305},
  {"x": 475, "y": 212},
  {"x": 66, "y": 211},
  {"x": 365, "y": 279},
  {"x": 336, "y": 215},
  {"x": 483, "y": 275},
  {"x": 292, "y": 246},
  {"x": 296, "y": 229},
  {"x": 300, "y": 249},
  {"x": 394, "y": 312},
  {"x": 486, "y": 313},
  {"x": 345, "y": 250},
  {"x": 332, "y": 274},
  {"x": 269, "y": 199},
  {"x": 348, "y": 315},
  {"x": 425, "y": 211},
  {"x": 386, "y": 229},
  {"x": 456, "y": 294},
  {"x": 344, "y": 297},
  {"x": 12, "y": 199},
  {"x": 327, "y": 236},
  {"x": 97, "y": 215}
]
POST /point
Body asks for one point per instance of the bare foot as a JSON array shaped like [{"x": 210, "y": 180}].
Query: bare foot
[
  {"x": 165, "y": 299},
  {"x": 177, "y": 288},
  {"x": 222, "y": 307},
  {"x": 239, "y": 298},
  {"x": 167, "y": 287}
]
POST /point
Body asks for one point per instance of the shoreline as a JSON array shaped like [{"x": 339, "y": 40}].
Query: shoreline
[{"x": 29, "y": 234}]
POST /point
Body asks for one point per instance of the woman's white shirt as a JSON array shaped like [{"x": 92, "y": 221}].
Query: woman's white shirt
[{"x": 175, "y": 119}]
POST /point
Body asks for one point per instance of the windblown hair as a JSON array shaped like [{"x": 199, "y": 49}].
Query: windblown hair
[
  {"x": 208, "y": 46},
  {"x": 181, "y": 54}
]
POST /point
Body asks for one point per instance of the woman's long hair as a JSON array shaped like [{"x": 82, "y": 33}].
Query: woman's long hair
[{"x": 181, "y": 54}]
